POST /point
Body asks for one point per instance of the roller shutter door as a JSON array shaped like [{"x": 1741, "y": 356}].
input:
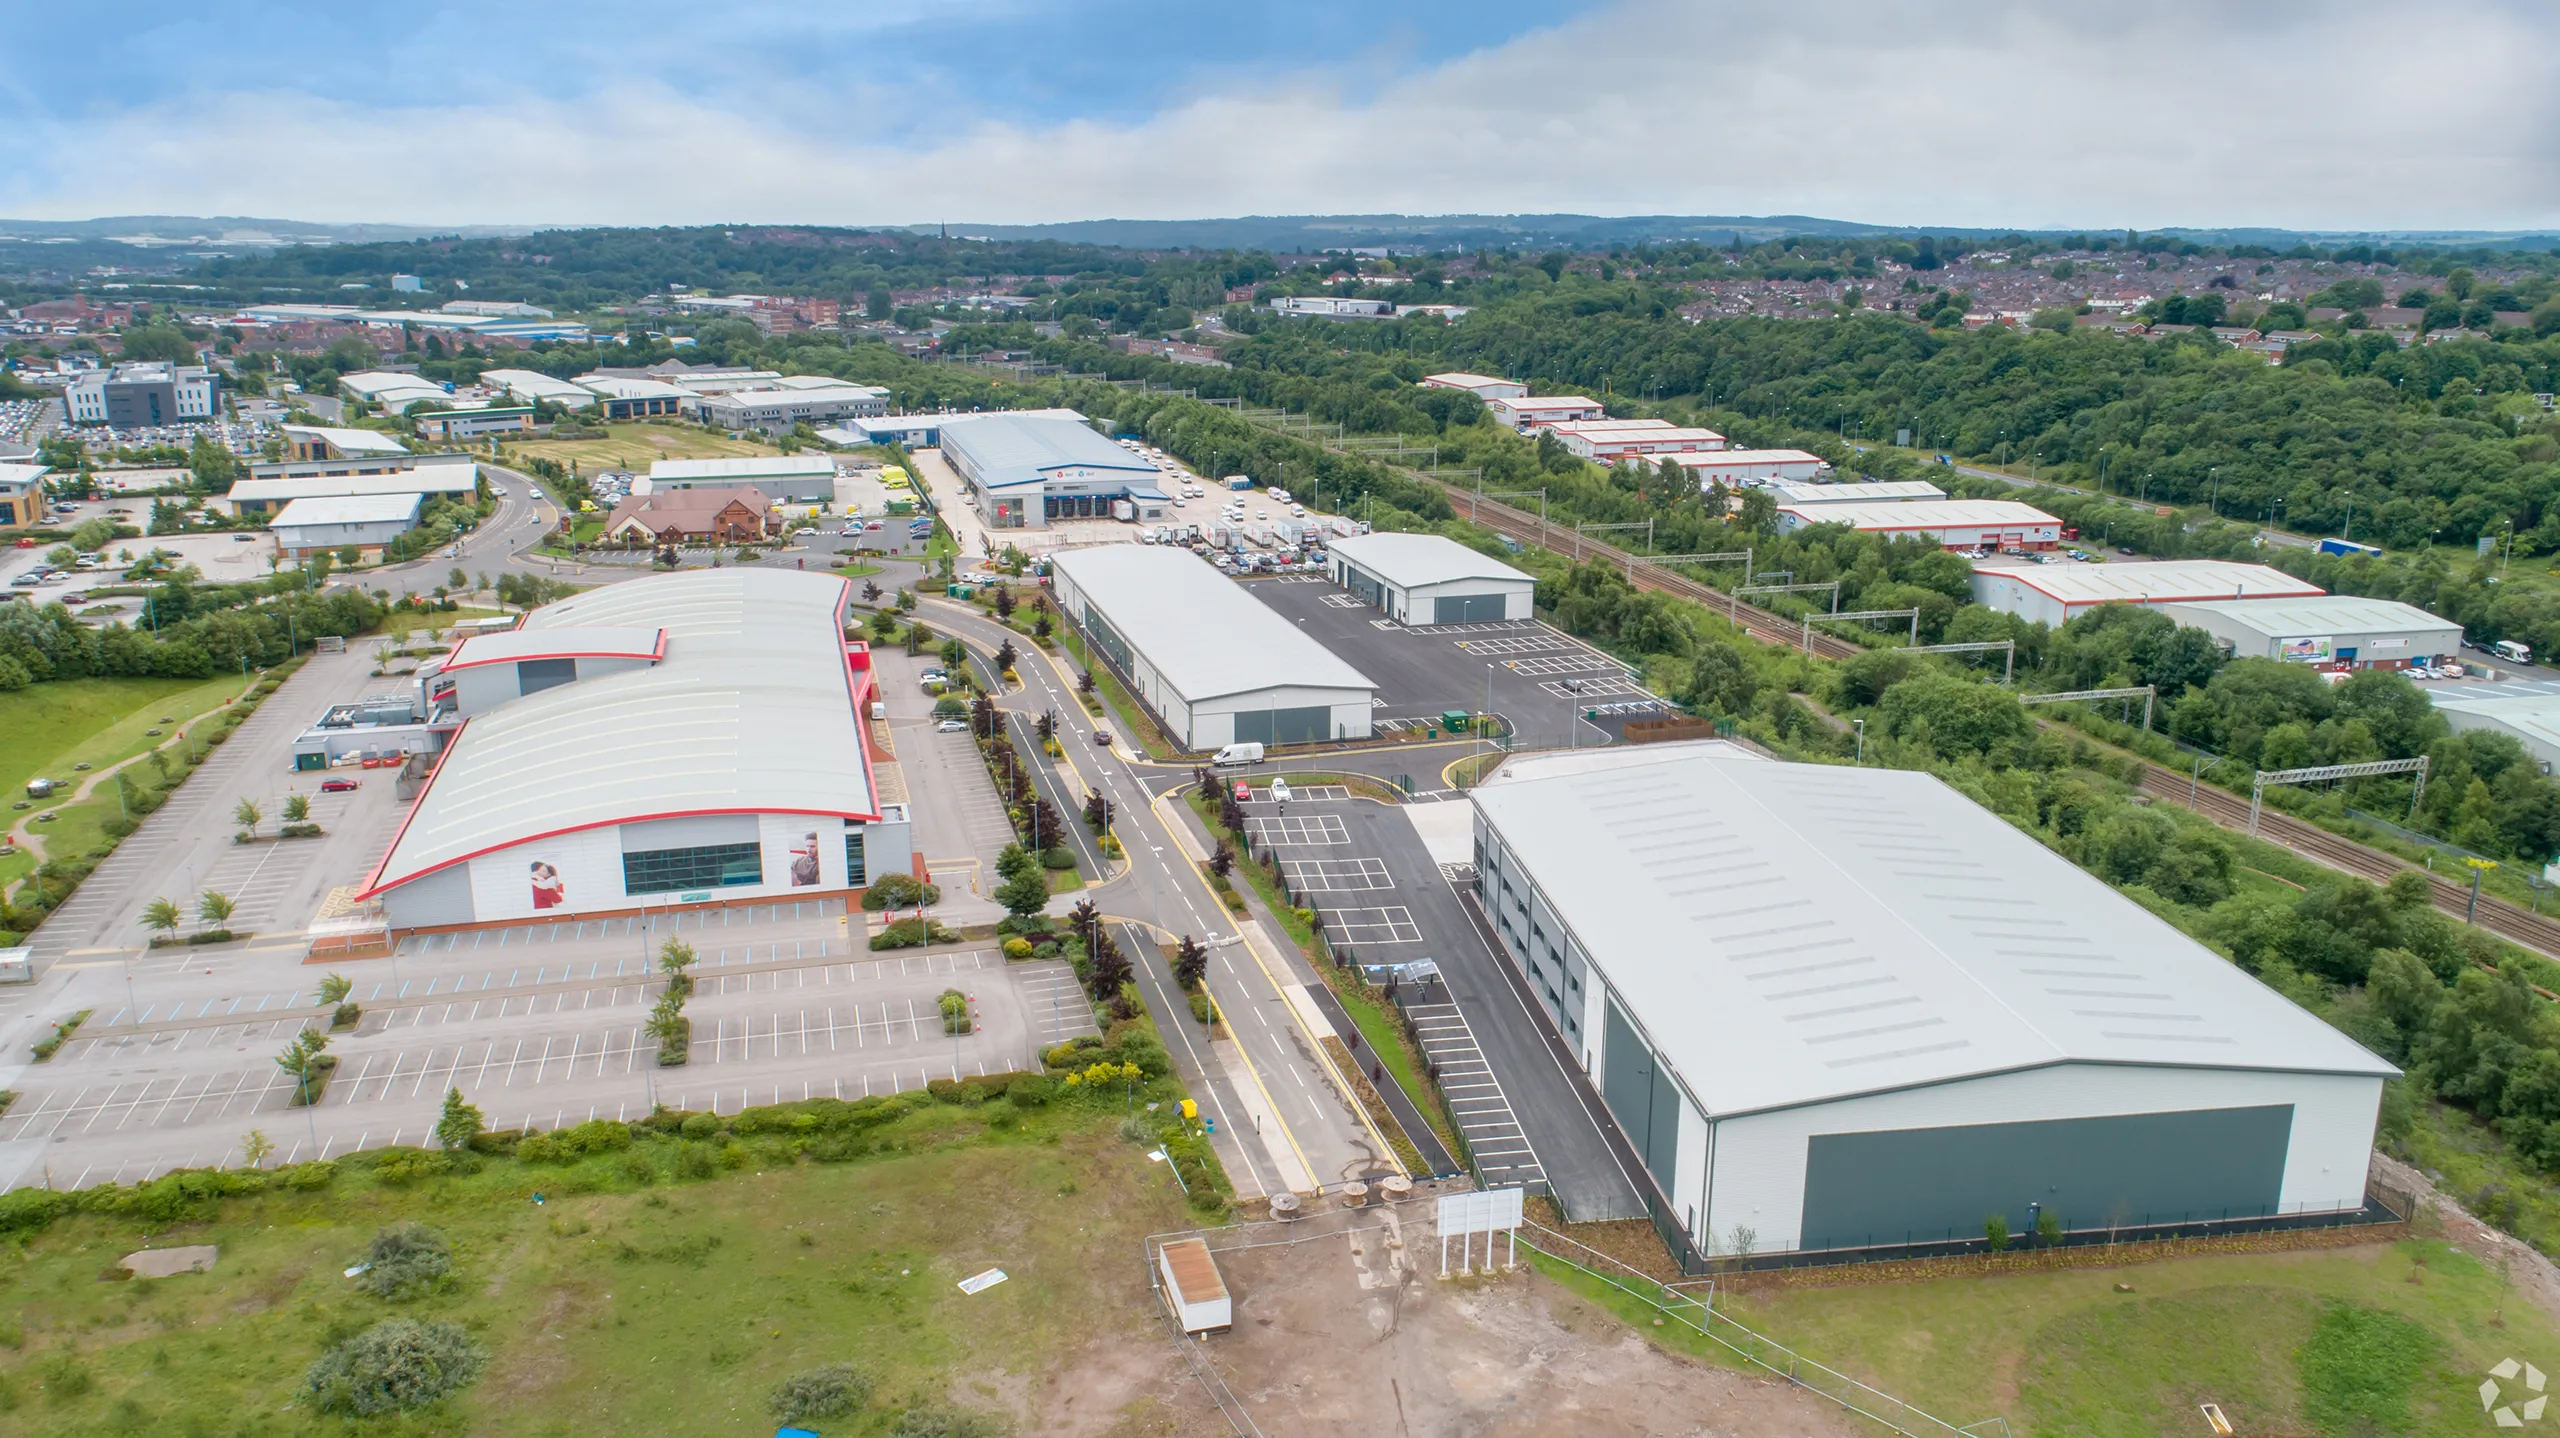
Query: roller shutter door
[{"x": 1467, "y": 608}]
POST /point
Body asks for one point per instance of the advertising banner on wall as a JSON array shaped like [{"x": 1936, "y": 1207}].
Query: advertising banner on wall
[{"x": 2304, "y": 651}]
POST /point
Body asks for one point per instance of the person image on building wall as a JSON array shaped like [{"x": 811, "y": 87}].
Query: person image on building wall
[
  {"x": 804, "y": 862},
  {"x": 548, "y": 891}
]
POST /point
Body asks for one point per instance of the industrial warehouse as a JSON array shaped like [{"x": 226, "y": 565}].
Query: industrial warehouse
[
  {"x": 2059, "y": 593},
  {"x": 1428, "y": 579},
  {"x": 693, "y": 738},
  {"x": 1213, "y": 666},
  {"x": 1995, "y": 524},
  {"x": 1023, "y": 470},
  {"x": 1844, "y": 1008},
  {"x": 2334, "y": 630}
]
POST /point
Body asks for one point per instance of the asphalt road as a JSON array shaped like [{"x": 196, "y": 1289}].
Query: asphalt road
[
  {"x": 1540, "y": 1090},
  {"x": 1314, "y": 1135}
]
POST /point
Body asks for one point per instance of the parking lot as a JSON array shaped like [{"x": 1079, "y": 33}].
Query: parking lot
[
  {"x": 1553, "y": 689},
  {"x": 1390, "y": 904}
]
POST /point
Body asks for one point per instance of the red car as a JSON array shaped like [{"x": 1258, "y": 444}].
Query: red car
[
  {"x": 339, "y": 786},
  {"x": 1244, "y": 792}
]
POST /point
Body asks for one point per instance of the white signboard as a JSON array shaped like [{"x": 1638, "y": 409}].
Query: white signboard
[
  {"x": 1464, "y": 1215},
  {"x": 1495, "y": 1210}
]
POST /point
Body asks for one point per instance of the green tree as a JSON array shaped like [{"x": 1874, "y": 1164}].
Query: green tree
[
  {"x": 458, "y": 1124},
  {"x": 1025, "y": 894},
  {"x": 162, "y": 343},
  {"x": 247, "y": 815},
  {"x": 297, "y": 808},
  {"x": 163, "y": 916},
  {"x": 214, "y": 908},
  {"x": 301, "y": 1058},
  {"x": 334, "y": 989}
]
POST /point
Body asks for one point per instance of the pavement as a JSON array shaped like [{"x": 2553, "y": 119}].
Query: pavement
[
  {"x": 1314, "y": 1135},
  {"x": 1552, "y": 689}
]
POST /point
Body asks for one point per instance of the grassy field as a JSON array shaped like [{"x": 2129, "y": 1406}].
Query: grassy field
[
  {"x": 2341, "y": 1343},
  {"x": 634, "y": 447},
  {"x": 401, "y": 623},
  {"x": 2336, "y": 1342},
  {"x": 628, "y": 1301},
  {"x": 54, "y": 725}
]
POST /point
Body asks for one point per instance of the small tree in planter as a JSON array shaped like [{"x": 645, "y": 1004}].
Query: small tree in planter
[
  {"x": 1109, "y": 968},
  {"x": 955, "y": 1011},
  {"x": 297, "y": 808},
  {"x": 215, "y": 908},
  {"x": 334, "y": 990},
  {"x": 164, "y": 917},
  {"x": 248, "y": 815},
  {"x": 304, "y": 1059},
  {"x": 1006, "y": 655},
  {"x": 1222, "y": 862},
  {"x": 1190, "y": 962}
]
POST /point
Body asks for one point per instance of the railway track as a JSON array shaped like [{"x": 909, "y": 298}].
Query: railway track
[
  {"x": 2498, "y": 916},
  {"x": 1528, "y": 528},
  {"x": 2508, "y": 921}
]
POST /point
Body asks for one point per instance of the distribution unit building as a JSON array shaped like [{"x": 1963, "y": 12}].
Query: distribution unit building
[
  {"x": 1429, "y": 579},
  {"x": 2002, "y": 524},
  {"x": 1023, "y": 470},
  {"x": 367, "y": 521},
  {"x": 2333, "y": 629},
  {"x": 794, "y": 478},
  {"x": 265, "y": 492},
  {"x": 1480, "y": 385},
  {"x": 694, "y": 738},
  {"x": 1801, "y": 492},
  {"x": 1214, "y": 666},
  {"x": 2055, "y": 594},
  {"x": 1738, "y": 468},
  {"x": 2527, "y": 711},
  {"x": 1837, "y": 1008}
]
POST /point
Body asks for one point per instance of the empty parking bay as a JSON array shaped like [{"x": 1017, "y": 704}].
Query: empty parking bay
[
  {"x": 1304, "y": 830},
  {"x": 1322, "y": 876},
  {"x": 1390, "y": 925}
]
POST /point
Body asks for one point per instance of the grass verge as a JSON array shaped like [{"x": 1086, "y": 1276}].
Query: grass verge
[{"x": 661, "y": 1287}]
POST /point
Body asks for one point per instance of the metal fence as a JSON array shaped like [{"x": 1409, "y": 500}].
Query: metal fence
[{"x": 1693, "y": 1307}]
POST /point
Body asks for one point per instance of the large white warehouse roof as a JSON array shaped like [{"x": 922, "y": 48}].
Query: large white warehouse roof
[
  {"x": 1199, "y": 629},
  {"x": 2168, "y": 582},
  {"x": 751, "y": 711},
  {"x": 1410, "y": 561},
  {"x": 2323, "y": 614},
  {"x": 1789, "y": 934}
]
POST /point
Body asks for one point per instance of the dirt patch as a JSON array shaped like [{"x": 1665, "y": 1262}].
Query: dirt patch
[
  {"x": 1355, "y": 1331},
  {"x": 2533, "y": 1275},
  {"x": 169, "y": 1262},
  {"x": 539, "y": 1357}
]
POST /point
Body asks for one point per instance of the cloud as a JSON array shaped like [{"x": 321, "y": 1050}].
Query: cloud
[{"x": 2276, "y": 112}]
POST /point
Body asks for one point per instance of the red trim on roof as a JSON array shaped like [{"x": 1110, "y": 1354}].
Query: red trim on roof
[
  {"x": 376, "y": 885},
  {"x": 373, "y": 881},
  {"x": 657, "y": 653},
  {"x": 2027, "y": 578}
]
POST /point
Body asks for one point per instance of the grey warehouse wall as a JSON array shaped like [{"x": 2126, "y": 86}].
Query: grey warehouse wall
[{"x": 1933, "y": 1183}]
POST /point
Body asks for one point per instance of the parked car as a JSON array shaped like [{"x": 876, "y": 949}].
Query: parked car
[
  {"x": 1244, "y": 792},
  {"x": 340, "y": 786},
  {"x": 28, "y": 580},
  {"x": 1279, "y": 791},
  {"x": 952, "y": 726}
]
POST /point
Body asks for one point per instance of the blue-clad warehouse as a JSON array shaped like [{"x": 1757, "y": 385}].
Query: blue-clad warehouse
[{"x": 1024, "y": 470}]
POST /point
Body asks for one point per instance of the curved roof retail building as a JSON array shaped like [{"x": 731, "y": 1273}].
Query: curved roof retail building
[{"x": 689, "y": 738}]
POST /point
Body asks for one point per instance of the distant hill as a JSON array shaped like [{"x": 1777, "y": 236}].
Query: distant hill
[
  {"x": 242, "y": 230},
  {"x": 1301, "y": 233}
]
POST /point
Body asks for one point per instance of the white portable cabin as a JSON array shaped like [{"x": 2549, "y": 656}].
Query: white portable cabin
[
  {"x": 1191, "y": 1282},
  {"x": 17, "y": 966}
]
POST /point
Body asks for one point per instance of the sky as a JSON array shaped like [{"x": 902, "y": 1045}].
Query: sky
[{"x": 2310, "y": 114}]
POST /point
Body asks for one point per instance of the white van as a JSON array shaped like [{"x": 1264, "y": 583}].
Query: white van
[{"x": 1237, "y": 755}]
